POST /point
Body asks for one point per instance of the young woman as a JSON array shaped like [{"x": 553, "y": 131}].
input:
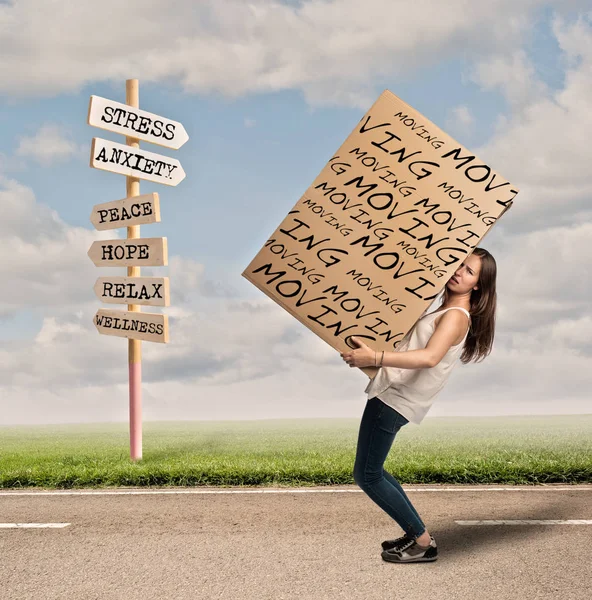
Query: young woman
[{"x": 407, "y": 383}]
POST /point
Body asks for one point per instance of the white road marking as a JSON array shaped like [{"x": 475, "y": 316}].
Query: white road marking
[
  {"x": 529, "y": 522},
  {"x": 289, "y": 491},
  {"x": 32, "y": 525}
]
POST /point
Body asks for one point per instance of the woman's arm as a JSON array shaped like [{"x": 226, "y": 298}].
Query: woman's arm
[
  {"x": 412, "y": 359},
  {"x": 449, "y": 328},
  {"x": 452, "y": 325},
  {"x": 364, "y": 356}
]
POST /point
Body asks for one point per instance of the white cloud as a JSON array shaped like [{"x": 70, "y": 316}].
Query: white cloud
[
  {"x": 50, "y": 145},
  {"x": 552, "y": 379},
  {"x": 543, "y": 147},
  {"x": 574, "y": 39},
  {"x": 542, "y": 279},
  {"x": 334, "y": 52},
  {"x": 48, "y": 265},
  {"x": 460, "y": 121},
  {"x": 542, "y": 244},
  {"x": 49, "y": 272},
  {"x": 513, "y": 74},
  {"x": 216, "y": 368}
]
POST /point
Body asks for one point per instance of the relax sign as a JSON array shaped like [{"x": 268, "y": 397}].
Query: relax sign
[
  {"x": 152, "y": 291},
  {"x": 375, "y": 238}
]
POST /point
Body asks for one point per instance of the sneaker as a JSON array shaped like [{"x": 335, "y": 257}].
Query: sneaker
[
  {"x": 389, "y": 544},
  {"x": 410, "y": 551}
]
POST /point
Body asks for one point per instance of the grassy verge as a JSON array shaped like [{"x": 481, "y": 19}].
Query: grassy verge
[{"x": 509, "y": 450}]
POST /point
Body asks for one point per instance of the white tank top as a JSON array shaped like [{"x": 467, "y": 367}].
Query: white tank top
[{"x": 412, "y": 391}]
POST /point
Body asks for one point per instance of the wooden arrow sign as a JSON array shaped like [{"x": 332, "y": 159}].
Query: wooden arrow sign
[
  {"x": 145, "y": 252},
  {"x": 133, "y": 162},
  {"x": 149, "y": 291},
  {"x": 135, "y": 123},
  {"x": 136, "y": 210},
  {"x": 149, "y": 327}
]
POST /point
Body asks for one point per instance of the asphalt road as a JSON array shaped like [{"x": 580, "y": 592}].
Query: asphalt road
[{"x": 292, "y": 544}]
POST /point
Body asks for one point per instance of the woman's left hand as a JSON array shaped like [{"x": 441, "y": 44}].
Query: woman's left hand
[{"x": 362, "y": 356}]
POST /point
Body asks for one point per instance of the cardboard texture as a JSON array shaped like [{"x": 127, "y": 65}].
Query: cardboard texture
[{"x": 381, "y": 230}]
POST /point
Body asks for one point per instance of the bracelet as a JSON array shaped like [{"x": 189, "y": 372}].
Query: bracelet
[{"x": 382, "y": 358}]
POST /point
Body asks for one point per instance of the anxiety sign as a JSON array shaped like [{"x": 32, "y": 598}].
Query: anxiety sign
[
  {"x": 133, "y": 162},
  {"x": 381, "y": 230}
]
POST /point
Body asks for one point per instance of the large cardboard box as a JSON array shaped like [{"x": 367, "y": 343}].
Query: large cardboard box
[{"x": 376, "y": 237}]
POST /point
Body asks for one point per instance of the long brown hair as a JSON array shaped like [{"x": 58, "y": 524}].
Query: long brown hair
[{"x": 479, "y": 341}]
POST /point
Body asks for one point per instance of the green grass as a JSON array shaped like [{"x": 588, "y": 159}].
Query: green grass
[{"x": 510, "y": 450}]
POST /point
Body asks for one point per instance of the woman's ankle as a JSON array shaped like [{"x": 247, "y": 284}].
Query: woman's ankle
[{"x": 424, "y": 539}]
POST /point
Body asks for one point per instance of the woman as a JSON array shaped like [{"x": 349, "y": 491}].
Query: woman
[{"x": 407, "y": 383}]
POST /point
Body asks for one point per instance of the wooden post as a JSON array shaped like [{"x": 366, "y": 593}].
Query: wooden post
[{"x": 132, "y": 98}]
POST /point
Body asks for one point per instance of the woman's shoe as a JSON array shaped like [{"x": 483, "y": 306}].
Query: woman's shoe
[
  {"x": 389, "y": 544},
  {"x": 410, "y": 551}
]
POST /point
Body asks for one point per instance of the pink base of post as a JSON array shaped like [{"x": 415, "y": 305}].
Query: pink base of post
[{"x": 135, "y": 400}]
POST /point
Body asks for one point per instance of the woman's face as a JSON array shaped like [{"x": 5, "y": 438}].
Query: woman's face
[{"x": 466, "y": 276}]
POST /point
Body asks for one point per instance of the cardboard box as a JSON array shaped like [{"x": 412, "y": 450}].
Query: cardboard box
[{"x": 375, "y": 238}]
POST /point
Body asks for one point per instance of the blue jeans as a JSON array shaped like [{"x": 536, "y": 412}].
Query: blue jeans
[{"x": 379, "y": 426}]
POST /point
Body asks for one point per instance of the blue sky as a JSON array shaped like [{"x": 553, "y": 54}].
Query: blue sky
[
  {"x": 254, "y": 155},
  {"x": 254, "y": 148}
]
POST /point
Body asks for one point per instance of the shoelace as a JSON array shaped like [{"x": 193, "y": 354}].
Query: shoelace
[
  {"x": 403, "y": 545},
  {"x": 398, "y": 540}
]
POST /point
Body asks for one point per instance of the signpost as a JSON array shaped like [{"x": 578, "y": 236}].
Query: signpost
[{"x": 131, "y": 212}]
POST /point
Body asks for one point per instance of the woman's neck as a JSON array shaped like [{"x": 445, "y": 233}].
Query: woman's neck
[
  {"x": 461, "y": 304},
  {"x": 452, "y": 299},
  {"x": 455, "y": 302}
]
